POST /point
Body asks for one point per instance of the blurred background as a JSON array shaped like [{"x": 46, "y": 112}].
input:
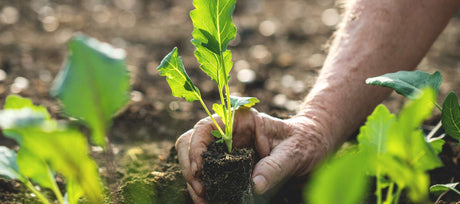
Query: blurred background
[{"x": 277, "y": 54}]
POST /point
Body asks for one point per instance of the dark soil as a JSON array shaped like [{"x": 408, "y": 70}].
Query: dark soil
[{"x": 226, "y": 177}]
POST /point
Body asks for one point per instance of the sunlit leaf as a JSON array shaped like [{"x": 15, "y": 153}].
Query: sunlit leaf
[
  {"x": 437, "y": 143},
  {"x": 213, "y": 29},
  {"x": 408, "y": 83},
  {"x": 181, "y": 85},
  {"x": 211, "y": 63},
  {"x": 93, "y": 84},
  {"x": 35, "y": 168},
  {"x": 66, "y": 152},
  {"x": 450, "y": 116},
  {"x": 8, "y": 166},
  {"x": 341, "y": 180},
  {"x": 216, "y": 134},
  {"x": 18, "y": 102},
  {"x": 47, "y": 147},
  {"x": 246, "y": 102},
  {"x": 407, "y": 141},
  {"x": 219, "y": 109},
  {"x": 440, "y": 188},
  {"x": 410, "y": 154},
  {"x": 212, "y": 22}
]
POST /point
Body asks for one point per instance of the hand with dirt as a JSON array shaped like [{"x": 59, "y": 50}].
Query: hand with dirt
[
  {"x": 286, "y": 148},
  {"x": 375, "y": 37}
]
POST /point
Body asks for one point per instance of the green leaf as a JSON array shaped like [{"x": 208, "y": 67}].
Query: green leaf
[
  {"x": 35, "y": 168},
  {"x": 211, "y": 63},
  {"x": 47, "y": 147},
  {"x": 212, "y": 22},
  {"x": 18, "y": 102},
  {"x": 407, "y": 141},
  {"x": 216, "y": 134},
  {"x": 339, "y": 181},
  {"x": 450, "y": 116},
  {"x": 65, "y": 151},
  {"x": 181, "y": 85},
  {"x": 74, "y": 192},
  {"x": 219, "y": 109},
  {"x": 246, "y": 102},
  {"x": 373, "y": 135},
  {"x": 93, "y": 85},
  {"x": 8, "y": 166},
  {"x": 437, "y": 143},
  {"x": 408, "y": 83},
  {"x": 409, "y": 155},
  {"x": 440, "y": 188}
]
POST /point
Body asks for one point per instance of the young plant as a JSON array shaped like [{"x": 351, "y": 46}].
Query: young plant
[
  {"x": 93, "y": 85},
  {"x": 213, "y": 30},
  {"x": 46, "y": 148},
  {"x": 393, "y": 149}
]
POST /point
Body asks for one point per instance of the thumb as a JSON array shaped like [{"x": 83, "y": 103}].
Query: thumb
[{"x": 282, "y": 163}]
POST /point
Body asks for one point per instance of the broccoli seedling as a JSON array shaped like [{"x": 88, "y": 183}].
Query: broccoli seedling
[{"x": 213, "y": 30}]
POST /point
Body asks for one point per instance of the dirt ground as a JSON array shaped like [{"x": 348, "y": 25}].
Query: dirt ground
[{"x": 277, "y": 55}]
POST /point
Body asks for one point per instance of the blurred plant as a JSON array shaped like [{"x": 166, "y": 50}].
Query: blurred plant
[
  {"x": 393, "y": 149},
  {"x": 92, "y": 86},
  {"x": 213, "y": 30},
  {"x": 46, "y": 148}
]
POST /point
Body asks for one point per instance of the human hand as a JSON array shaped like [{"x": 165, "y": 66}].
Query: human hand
[{"x": 287, "y": 148}]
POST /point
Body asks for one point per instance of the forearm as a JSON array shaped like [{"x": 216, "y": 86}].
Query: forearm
[{"x": 375, "y": 37}]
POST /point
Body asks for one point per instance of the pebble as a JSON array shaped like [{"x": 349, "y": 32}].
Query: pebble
[
  {"x": 246, "y": 75},
  {"x": 2, "y": 75},
  {"x": 287, "y": 80},
  {"x": 9, "y": 15},
  {"x": 50, "y": 23},
  {"x": 19, "y": 84},
  {"x": 267, "y": 28},
  {"x": 137, "y": 96},
  {"x": 280, "y": 100},
  {"x": 330, "y": 17}
]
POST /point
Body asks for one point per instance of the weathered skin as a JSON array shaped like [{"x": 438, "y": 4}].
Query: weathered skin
[{"x": 375, "y": 37}]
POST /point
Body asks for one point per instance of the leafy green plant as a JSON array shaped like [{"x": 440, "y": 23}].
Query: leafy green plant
[
  {"x": 213, "y": 30},
  {"x": 392, "y": 149},
  {"x": 46, "y": 148},
  {"x": 93, "y": 85}
]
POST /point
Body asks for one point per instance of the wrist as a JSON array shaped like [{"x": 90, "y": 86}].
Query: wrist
[{"x": 315, "y": 122}]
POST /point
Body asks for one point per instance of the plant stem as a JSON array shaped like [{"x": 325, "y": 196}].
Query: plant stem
[
  {"x": 54, "y": 186},
  {"x": 379, "y": 187},
  {"x": 31, "y": 187},
  {"x": 389, "y": 197},
  {"x": 398, "y": 194},
  {"x": 438, "y": 106},
  {"x": 212, "y": 118},
  {"x": 229, "y": 119}
]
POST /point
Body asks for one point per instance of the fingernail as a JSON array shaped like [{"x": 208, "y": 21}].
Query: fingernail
[
  {"x": 260, "y": 184},
  {"x": 196, "y": 185},
  {"x": 194, "y": 168}
]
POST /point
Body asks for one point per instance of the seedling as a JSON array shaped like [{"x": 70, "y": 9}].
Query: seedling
[
  {"x": 392, "y": 149},
  {"x": 46, "y": 148},
  {"x": 213, "y": 30},
  {"x": 93, "y": 86}
]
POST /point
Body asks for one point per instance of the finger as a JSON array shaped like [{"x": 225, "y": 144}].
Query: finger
[
  {"x": 196, "y": 199},
  {"x": 243, "y": 128},
  {"x": 182, "y": 146},
  {"x": 269, "y": 132},
  {"x": 283, "y": 162},
  {"x": 200, "y": 139}
]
